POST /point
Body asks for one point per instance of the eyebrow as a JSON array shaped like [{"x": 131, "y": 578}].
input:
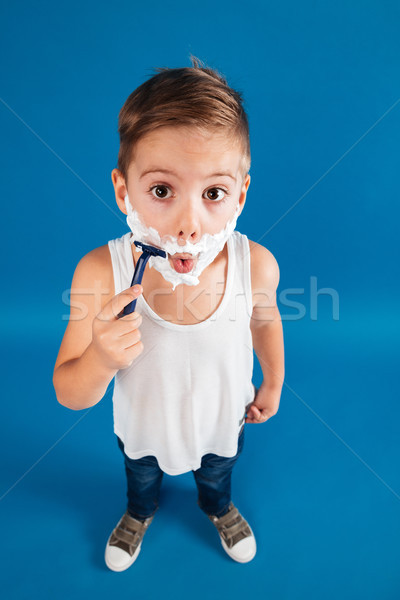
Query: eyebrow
[{"x": 169, "y": 172}]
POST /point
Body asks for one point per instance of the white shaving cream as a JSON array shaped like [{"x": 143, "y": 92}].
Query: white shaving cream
[{"x": 206, "y": 249}]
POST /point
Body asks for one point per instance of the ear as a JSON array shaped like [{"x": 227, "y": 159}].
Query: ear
[
  {"x": 243, "y": 192},
  {"x": 120, "y": 189}
]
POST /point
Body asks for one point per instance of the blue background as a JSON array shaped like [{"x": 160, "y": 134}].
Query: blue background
[{"x": 319, "y": 482}]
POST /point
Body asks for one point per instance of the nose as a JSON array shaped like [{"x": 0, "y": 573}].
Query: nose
[{"x": 188, "y": 225}]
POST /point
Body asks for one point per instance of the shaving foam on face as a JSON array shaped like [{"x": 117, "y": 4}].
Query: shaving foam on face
[{"x": 206, "y": 249}]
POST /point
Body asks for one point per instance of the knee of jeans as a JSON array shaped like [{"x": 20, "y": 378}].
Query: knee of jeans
[{"x": 145, "y": 482}]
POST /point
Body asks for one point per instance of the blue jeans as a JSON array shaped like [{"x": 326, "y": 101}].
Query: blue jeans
[{"x": 213, "y": 480}]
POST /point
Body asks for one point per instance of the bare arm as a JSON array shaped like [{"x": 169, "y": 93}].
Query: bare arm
[
  {"x": 82, "y": 382},
  {"x": 96, "y": 344},
  {"x": 267, "y": 333}
]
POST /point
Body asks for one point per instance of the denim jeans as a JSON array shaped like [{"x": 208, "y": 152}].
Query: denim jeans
[{"x": 213, "y": 480}]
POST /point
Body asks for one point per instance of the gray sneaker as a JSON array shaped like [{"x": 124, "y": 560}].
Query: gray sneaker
[
  {"x": 237, "y": 537},
  {"x": 124, "y": 543}
]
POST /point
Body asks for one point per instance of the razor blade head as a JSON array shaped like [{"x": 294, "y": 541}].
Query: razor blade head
[{"x": 151, "y": 249}]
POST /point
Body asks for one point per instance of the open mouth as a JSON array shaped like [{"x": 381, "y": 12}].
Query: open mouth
[{"x": 182, "y": 265}]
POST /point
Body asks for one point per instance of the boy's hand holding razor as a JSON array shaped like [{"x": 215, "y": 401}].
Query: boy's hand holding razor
[{"x": 116, "y": 339}]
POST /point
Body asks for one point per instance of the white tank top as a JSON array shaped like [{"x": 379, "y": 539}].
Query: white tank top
[{"x": 186, "y": 394}]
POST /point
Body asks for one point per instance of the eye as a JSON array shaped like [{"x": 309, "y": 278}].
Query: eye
[
  {"x": 161, "y": 189},
  {"x": 214, "y": 197}
]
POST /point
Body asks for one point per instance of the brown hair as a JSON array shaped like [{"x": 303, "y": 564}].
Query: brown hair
[{"x": 196, "y": 96}]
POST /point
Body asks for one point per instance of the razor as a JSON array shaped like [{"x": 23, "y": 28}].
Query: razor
[{"x": 147, "y": 251}]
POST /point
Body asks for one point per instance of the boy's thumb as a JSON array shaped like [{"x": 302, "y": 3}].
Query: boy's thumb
[{"x": 137, "y": 288}]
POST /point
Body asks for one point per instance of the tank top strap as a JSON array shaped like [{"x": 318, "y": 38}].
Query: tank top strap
[
  {"x": 121, "y": 260},
  {"x": 243, "y": 268}
]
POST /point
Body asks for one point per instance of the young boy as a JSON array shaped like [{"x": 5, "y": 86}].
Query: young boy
[{"x": 183, "y": 360}]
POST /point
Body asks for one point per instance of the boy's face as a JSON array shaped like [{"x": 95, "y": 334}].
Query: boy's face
[{"x": 183, "y": 183}]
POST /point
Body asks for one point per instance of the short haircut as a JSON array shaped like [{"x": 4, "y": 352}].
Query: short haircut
[{"x": 196, "y": 96}]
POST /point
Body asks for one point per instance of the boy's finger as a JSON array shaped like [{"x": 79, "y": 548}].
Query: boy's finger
[
  {"x": 251, "y": 420},
  {"x": 118, "y": 302},
  {"x": 251, "y": 416},
  {"x": 255, "y": 412}
]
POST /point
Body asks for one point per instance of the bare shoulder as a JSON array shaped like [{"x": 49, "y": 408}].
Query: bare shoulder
[
  {"x": 92, "y": 287},
  {"x": 265, "y": 272},
  {"x": 95, "y": 269}
]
